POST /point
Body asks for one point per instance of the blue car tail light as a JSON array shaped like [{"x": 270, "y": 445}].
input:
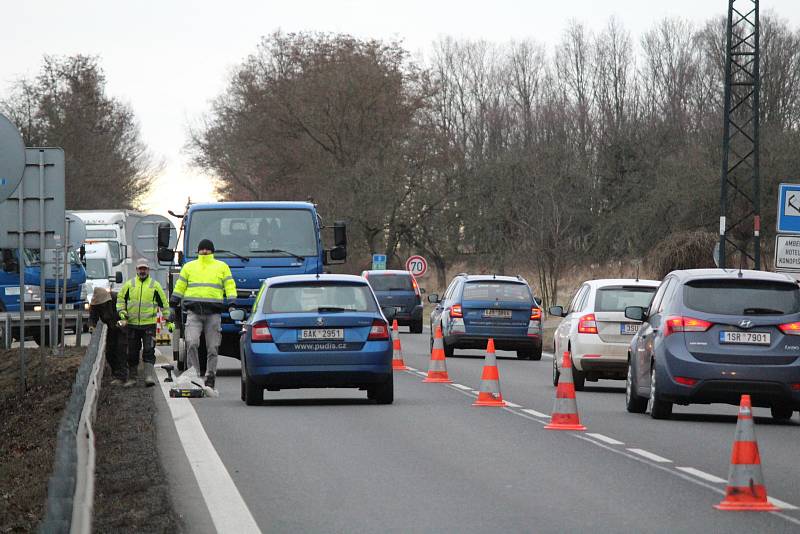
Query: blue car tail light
[
  {"x": 261, "y": 332},
  {"x": 378, "y": 332}
]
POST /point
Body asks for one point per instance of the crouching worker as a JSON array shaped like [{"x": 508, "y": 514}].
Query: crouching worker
[
  {"x": 138, "y": 303},
  {"x": 101, "y": 308},
  {"x": 203, "y": 288}
]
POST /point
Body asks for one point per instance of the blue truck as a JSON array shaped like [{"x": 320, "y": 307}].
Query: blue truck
[
  {"x": 32, "y": 300},
  {"x": 257, "y": 240}
]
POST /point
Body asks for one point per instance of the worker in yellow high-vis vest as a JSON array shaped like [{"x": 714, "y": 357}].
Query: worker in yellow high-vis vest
[
  {"x": 205, "y": 288},
  {"x": 138, "y": 303}
]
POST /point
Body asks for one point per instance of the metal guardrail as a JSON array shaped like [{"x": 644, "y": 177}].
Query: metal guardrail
[
  {"x": 70, "y": 490},
  {"x": 10, "y": 320}
]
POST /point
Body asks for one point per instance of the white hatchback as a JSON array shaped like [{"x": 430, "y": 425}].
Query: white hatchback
[{"x": 595, "y": 330}]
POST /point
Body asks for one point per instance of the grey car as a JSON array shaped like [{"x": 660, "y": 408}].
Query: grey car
[{"x": 711, "y": 335}]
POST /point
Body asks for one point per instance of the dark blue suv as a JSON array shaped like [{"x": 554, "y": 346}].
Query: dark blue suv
[
  {"x": 399, "y": 290},
  {"x": 478, "y": 307},
  {"x": 711, "y": 335}
]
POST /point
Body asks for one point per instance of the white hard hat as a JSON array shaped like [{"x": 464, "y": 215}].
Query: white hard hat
[{"x": 141, "y": 262}]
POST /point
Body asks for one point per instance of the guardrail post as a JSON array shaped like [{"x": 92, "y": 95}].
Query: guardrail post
[
  {"x": 78, "y": 328},
  {"x": 7, "y": 331}
]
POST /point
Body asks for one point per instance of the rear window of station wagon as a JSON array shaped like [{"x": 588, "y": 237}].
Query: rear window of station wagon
[
  {"x": 617, "y": 298},
  {"x": 502, "y": 291},
  {"x": 319, "y": 297},
  {"x": 391, "y": 282},
  {"x": 742, "y": 297}
]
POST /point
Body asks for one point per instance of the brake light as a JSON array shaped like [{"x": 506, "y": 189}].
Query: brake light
[
  {"x": 379, "y": 331},
  {"x": 455, "y": 311},
  {"x": 685, "y": 380},
  {"x": 261, "y": 332},
  {"x": 685, "y": 324},
  {"x": 795, "y": 387},
  {"x": 587, "y": 324},
  {"x": 416, "y": 285},
  {"x": 790, "y": 329},
  {"x": 536, "y": 314}
]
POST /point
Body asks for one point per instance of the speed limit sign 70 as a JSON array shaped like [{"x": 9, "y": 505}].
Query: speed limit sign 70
[{"x": 417, "y": 265}]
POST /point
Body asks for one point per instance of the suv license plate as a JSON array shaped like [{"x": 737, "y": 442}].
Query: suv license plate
[
  {"x": 745, "y": 338},
  {"x": 315, "y": 334},
  {"x": 628, "y": 329},
  {"x": 497, "y": 314}
]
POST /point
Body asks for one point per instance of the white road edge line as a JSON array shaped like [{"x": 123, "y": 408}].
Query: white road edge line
[
  {"x": 225, "y": 504},
  {"x": 460, "y": 386},
  {"x": 702, "y": 474},
  {"x": 512, "y": 405},
  {"x": 535, "y": 413},
  {"x": 410, "y": 368},
  {"x": 601, "y": 437},
  {"x": 780, "y": 504},
  {"x": 650, "y": 456}
]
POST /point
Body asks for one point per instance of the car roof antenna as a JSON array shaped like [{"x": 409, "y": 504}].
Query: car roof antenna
[
  {"x": 741, "y": 261},
  {"x": 637, "y": 271}
]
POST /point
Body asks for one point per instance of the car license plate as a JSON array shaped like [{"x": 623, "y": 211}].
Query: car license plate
[
  {"x": 315, "y": 334},
  {"x": 628, "y": 329},
  {"x": 497, "y": 314},
  {"x": 745, "y": 338}
]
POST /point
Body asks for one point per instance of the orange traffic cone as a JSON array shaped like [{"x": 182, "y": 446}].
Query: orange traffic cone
[
  {"x": 490, "y": 381},
  {"x": 565, "y": 411},
  {"x": 746, "y": 490},
  {"x": 397, "y": 352},
  {"x": 437, "y": 369}
]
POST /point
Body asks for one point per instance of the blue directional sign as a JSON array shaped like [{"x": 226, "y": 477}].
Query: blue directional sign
[
  {"x": 789, "y": 208},
  {"x": 379, "y": 262}
]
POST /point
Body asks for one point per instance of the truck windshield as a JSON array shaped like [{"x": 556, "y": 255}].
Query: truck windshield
[
  {"x": 32, "y": 257},
  {"x": 113, "y": 245},
  {"x": 96, "y": 269},
  {"x": 250, "y": 232}
]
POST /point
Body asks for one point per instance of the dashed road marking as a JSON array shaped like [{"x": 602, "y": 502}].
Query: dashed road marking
[
  {"x": 606, "y": 439},
  {"x": 650, "y": 456},
  {"x": 535, "y": 413},
  {"x": 512, "y": 405},
  {"x": 228, "y": 510},
  {"x": 460, "y": 386},
  {"x": 702, "y": 474},
  {"x": 410, "y": 368}
]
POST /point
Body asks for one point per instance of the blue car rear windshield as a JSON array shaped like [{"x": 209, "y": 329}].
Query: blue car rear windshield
[
  {"x": 319, "y": 297},
  {"x": 742, "y": 297},
  {"x": 491, "y": 290},
  {"x": 391, "y": 282}
]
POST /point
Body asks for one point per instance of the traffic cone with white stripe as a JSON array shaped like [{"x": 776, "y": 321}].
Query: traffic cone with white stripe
[
  {"x": 565, "y": 410},
  {"x": 397, "y": 351},
  {"x": 746, "y": 490},
  {"x": 490, "y": 380},
  {"x": 437, "y": 369}
]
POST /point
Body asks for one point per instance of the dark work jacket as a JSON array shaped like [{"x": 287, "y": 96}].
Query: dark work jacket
[{"x": 106, "y": 312}]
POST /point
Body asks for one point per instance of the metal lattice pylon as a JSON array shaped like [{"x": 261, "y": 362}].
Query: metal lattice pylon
[{"x": 740, "y": 196}]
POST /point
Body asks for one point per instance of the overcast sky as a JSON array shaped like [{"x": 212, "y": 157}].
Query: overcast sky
[{"x": 169, "y": 58}]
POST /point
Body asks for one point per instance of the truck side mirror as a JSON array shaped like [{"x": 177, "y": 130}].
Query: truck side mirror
[
  {"x": 163, "y": 236},
  {"x": 118, "y": 278},
  {"x": 340, "y": 234},
  {"x": 83, "y": 255},
  {"x": 338, "y": 254},
  {"x": 165, "y": 254}
]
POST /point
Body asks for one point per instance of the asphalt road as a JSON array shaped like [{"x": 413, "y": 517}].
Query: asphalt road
[{"x": 330, "y": 461}]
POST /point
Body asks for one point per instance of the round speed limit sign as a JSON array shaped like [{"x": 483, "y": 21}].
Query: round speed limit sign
[{"x": 417, "y": 265}]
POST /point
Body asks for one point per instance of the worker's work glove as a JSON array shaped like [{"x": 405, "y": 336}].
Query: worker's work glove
[
  {"x": 171, "y": 326},
  {"x": 91, "y": 329},
  {"x": 123, "y": 315},
  {"x": 122, "y": 324}
]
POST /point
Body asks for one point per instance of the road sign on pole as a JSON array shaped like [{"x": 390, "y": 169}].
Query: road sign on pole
[
  {"x": 789, "y": 208},
  {"x": 417, "y": 265},
  {"x": 787, "y": 253},
  {"x": 12, "y": 158},
  {"x": 379, "y": 262}
]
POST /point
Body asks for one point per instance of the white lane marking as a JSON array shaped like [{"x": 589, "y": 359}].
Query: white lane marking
[
  {"x": 410, "y": 368},
  {"x": 780, "y": 504},
  {"x": 547, "y": 355},
  {"x": 601, "y": 437},
  {"x": 512, "y": 405},
  {"x": 475, "y": 392},
  {"x": 702, "y": 474},
  {"x": 224, "y": 502},
  {"x": 650, "y": 456},
  {"x": 535, "y": 413},
  {"x": 421, "y": 373},
  {"x": 460, "y": 386}
]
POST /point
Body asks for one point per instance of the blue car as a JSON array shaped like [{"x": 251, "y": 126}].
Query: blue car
[
  {"x": 316, "y": 331},
  {"x": 478, "y": 307},
  {"x": 711, "y": 335},
  {"x": 400, "y": 290}
]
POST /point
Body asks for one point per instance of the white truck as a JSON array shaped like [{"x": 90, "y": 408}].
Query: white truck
[
  {"x": 116, "y": 228},
  {"x": 100, "y": 268}
]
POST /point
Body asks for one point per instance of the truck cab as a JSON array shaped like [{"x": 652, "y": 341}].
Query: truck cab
[
  {"x": 99, "y": 264},
  {"x": 258, "y": 240}
]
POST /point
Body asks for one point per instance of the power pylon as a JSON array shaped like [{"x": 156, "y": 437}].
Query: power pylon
[{"x": 740, "y": 209}]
